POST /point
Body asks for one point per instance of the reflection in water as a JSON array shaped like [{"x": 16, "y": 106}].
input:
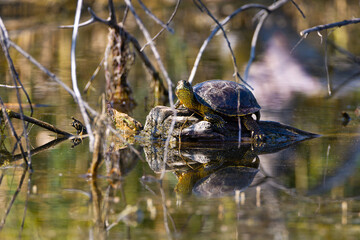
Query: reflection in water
[
  {"x": 220, "y": 181},
  {"x": 211, "y": 172}
]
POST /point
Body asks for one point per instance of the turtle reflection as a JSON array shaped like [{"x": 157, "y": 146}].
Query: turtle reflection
[{"x": 206, "y": 171}]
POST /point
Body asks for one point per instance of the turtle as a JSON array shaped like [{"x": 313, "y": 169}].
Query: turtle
[{"x": 215, "y": 99}]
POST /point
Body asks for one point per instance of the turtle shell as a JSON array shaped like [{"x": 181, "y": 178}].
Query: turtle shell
[{"x": 222, "y": 97}]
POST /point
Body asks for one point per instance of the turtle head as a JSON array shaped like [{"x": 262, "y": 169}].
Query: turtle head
[
  {"x": 183, "y": 86},
  {"x": 185, "y": 93}
]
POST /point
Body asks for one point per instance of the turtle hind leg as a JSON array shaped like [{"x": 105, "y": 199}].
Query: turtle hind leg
[{"x": 254, "y": 127}]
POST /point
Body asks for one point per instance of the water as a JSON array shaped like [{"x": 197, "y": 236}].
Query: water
[{"x": 306, "y": 191}]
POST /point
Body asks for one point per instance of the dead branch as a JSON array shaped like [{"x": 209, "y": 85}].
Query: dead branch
[
  {"x": 157, "y": 20},
  {"x": 37, "y": 122},
  {"x": 50, "y": 74},
  {"x": 164, "y": 72},
  {"x": 329, "y": 81},
  {"x": 236, "y": 69},
  {"x": 78, "y": 97},
  {"x": 263, "y": 14},
  {"x": 4, "y": 44},
  {"x": 13, "y": 198},
  {"x": 216, "y": 29},
  {"x": 13, "y": 131},
  {"x": 330, "y": 25},
  {"x": 154, "y": 50},
  {"x": 118, "y": 28},
  {"x": 167, "y": 23},
  {"x": 53, "y": 77},
  {"x": 298, "y": 8},
  {"x": 9, "y": 86},
  {"x": 86, "y": 88}
]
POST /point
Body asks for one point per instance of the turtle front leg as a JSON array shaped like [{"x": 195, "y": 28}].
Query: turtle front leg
[
  {"x": 253, "y": 126},
  {"x": 217, "y": 121}
]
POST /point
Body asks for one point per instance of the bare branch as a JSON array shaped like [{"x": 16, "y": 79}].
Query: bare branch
[
  {"x": 50, "y": 74},
  {"x": 93, "y": 76},
  {"x": 253, "y": 43},
  {"x": 298, "y": 8},
  {"x": 94, "y": 18},
  {"x": 344, "y": 83},
  {"x": 154, "y": 50},
  {"x": 349, "y": 55},
  {"x": 6, "y": 116},
  {"x": 53, "y": 77},
  {"x": 163, "y": 70},
  {"x": 329, "y": 82},
  {"x": 216, "y": 29},
  {"x": 262, "y": 17},
  {"x": 9, "y": 86},
  {"x": 168, "y": 22},
  {"x": 330, "y": 25},
  {"x": 157, "y": 20},
  {"x": 13, "y": 198},
  {"x": 5, "y": 44},
  {"x": 88, "y": 22},
  {"x": 78, "y": 97},
  {"x": 236, "y": 70},
  {"x": 37, "y": 122}
]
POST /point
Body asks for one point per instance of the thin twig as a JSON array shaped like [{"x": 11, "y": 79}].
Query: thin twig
[
  {"x": 168, "y": 22},
  {"x": 50, "y": 74},
  {"x": 7, "y": 210},
  {"x": 37, "y": 122},
  {"x": 216, "y": 29},
  {"x": 330, "y": 25},
  {"x": 236, "y": 70},
  {"x": 329, "y": 82},
  {"x": 53, "y": 77},
  {"x": 164, "y": 72},
  {"x": 297, "y": 44},
  {"x": 93, "y": 76},
  {"x": 344, "y": 83},
  {"x": 157, "y": 20},
  {"x": 26, "y": 204},
  {"x": 165, "y": 212},
  {"x": 9, "y": 86},
  {"x": 126, "y": 11},
  {"x": 4, "y": 113},
  {"x": 348, "y": 54},
  {"x": 133, "y": 40},
  {"x": 154, "y": 50},
  {"x": 71, "y": 92},
  {"x": 253, "y": 44},
  {"x": 4, "y": 44},
  {"x": 78, "y": 97},
  {"x": 262, "y": 17},
  {"x": 298, "y": 8}
]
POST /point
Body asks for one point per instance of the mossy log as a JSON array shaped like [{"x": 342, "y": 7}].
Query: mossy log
[{"x": 190, "y": 127}]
